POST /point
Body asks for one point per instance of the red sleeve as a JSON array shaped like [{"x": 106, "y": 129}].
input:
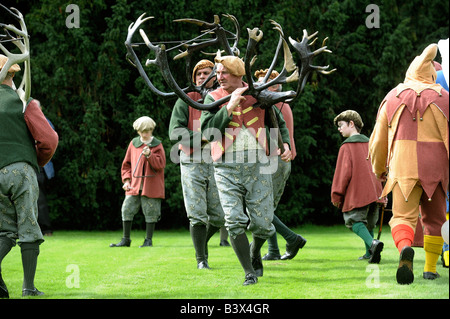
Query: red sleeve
[
  {"x": 157, "y": 158},
  {"x": 45, "y": 136},
  {"x": 342, "y": 176},
  {"x": 126, "y": 165},
  {"x": 289, "y": 119}
]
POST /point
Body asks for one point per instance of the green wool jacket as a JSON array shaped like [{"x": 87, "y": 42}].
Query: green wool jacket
[{"x": 16, "y": 142}]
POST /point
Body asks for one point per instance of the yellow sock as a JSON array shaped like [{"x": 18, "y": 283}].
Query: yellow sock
[
  {"x": 433, "y": 249},
  {"x": 446, "y": 258}
]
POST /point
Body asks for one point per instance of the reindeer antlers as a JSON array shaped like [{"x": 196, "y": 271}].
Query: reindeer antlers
[
  {"x": 290, "y": 72},
  {"x": 162, "y": 63},
  {"x": 306, "y": 57},
  {"x": 21, "y": 40}
]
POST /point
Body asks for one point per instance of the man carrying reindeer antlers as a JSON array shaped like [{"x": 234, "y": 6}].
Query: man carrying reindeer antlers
[
  {"x": 200, "y": 194},
  {"x": 241, "y": 171},
  {"x": 27, "y": 141},
  {"x": 236, "y": 124}
]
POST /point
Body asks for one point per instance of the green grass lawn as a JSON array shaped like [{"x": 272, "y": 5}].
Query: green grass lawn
[{"x": 81, "y": 265}]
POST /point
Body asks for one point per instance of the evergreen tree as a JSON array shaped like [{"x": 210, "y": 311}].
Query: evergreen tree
[{"x": 92, "y": 94}]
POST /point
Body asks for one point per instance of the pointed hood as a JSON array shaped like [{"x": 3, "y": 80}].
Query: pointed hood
[{"x": 421, "y": 73}]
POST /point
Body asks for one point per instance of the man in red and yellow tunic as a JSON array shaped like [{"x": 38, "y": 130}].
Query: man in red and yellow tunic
[
  {"x": 201, "y": 198},
  {"x": 239, "y": 152},
  {"x": 294, "y": 242},
  {"x": 410, "y": 145}
]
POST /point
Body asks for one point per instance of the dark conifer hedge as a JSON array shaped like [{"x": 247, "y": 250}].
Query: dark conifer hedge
[{"x": 92, "y": 94}]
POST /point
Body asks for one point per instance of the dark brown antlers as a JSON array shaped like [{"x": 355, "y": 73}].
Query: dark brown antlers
[
  {"x": 161, "y": 60},
  {"x": 306, "y": 58},
  {"x": 290, "y": 73}
]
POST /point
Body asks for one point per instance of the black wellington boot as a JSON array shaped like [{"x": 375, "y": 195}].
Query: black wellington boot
[
  {"x": 241, "y": 248},
  {"x": 255, "y": 254},
  {"x": 198, "y": 234}
]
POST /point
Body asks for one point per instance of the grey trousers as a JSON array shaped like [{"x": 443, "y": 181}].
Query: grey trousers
[
  {"x": 19, "y": 192},
  {"x": 201, "y": 197},
  {"x": 151, "y": 208},
  {"x": 242, "y": 186}
]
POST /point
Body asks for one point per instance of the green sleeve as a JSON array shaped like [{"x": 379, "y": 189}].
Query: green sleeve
[
  {"x": 178, "y": 125},
  {"x": 282, "y": 125}
]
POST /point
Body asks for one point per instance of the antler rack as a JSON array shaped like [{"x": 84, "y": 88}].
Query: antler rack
[
  {"x": 20, "y": 38},
  {"x": 290, "y": 73}
]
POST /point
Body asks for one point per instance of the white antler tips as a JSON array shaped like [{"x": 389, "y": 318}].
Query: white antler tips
[{"x": 21, "y": 40}]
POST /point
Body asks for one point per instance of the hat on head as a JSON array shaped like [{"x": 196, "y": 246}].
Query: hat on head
[
  {"x": 202, "y": 64},
  {"x": 422, "y": 67},
  {"x": 262, "y": 73},
  {"x": 348, "y": 116},
  {"x": 14, "y": 68},
  {"x": 234, "y": 64}
]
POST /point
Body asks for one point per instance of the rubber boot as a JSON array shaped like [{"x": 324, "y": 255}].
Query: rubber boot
[
  {"x": 224, "y": 237},
  {"x": 149, "y": 229},
  {"x": 241, "y": 247},
  {"x": 210, "y": 231},
  {"x": 255, "y": 254},
  {"x": 5, "y": 247},
  {"x": 125, "y": 241},
  {"x": 198, "y": 235}
]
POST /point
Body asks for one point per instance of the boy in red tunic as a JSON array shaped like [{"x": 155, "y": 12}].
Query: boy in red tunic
[
  {"x": 355, "y": 188},
  {"x": 143, "y": 178}
]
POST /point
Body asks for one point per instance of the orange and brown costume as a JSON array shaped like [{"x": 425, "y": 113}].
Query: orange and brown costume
[{"x": 410, "y": 142}]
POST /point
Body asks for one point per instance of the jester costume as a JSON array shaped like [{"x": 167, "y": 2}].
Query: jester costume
[{"x": 410, "y": 142}]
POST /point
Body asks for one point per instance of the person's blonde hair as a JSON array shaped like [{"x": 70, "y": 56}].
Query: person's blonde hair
[
  {"x": 262, "y": 73},
  {"x": 144, "y": 123}
]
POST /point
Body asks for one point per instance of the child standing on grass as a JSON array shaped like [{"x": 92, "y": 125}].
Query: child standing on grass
[
  {"x": 355, "y": 188},
  {"x": 143, "y": 178}
]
